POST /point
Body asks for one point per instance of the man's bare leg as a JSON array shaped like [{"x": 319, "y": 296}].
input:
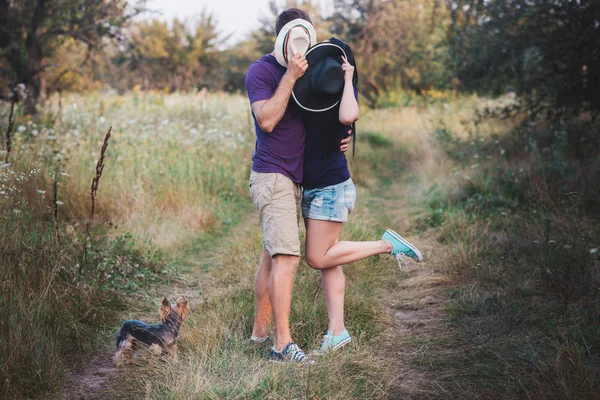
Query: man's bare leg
[
  {"x": 262, "y": 310},
  {"x": 283, "y": 270}
]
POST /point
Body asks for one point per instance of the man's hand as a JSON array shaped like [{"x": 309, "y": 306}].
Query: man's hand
[
  {"x": 346, "y": 142},
  {"x": 297, "y": 66}
]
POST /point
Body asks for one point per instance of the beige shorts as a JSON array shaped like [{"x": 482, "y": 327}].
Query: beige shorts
[{"x": 278, "y": 202}]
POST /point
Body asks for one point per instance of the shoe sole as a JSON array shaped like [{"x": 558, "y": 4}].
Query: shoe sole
[
  {"x": 407, "y": 244},
  {"x": 306, "y": 362},
  {"x": 334, "y": 348}
]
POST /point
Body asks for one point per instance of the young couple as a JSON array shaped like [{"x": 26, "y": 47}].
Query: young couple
[{"x": 304, "y": 100}]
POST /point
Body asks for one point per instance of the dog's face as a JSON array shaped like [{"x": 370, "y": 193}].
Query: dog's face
[{"x": 179, "y": 312}]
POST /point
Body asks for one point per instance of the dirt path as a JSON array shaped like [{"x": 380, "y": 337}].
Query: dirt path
[
  {"x": 417, "y": 308},
  {"x": 98, "y": 376}
]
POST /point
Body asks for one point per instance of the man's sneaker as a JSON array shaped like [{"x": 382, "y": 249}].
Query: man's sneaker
[
  {"x": 256, "y": 341},
  {"x": 331, "y": 343},
  {"x": 401, "y": 246},
  {"x": 291, "y": 353}
]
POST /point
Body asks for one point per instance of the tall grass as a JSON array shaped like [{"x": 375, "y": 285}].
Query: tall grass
[
  {"x": 518, "y": 219},
  {"x": 510, "y": 211},
  {"x": 174, "y": 172},
  {"x": 217, "y": 362}
]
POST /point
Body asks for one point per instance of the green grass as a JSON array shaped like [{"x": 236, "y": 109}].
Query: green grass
[
  {"x": 524, "y": 306},
  {"x": 509, "y": 213}
]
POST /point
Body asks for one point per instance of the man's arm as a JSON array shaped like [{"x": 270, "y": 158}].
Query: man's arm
[{"x": 268, "y": 113}]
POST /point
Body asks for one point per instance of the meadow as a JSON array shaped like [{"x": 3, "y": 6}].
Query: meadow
[{"x": 505, "y": 209}]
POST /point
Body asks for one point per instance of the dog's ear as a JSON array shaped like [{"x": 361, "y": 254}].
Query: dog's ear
[
  {"x": 182, "y": 307},
  {"x": 165, "y": 309}
]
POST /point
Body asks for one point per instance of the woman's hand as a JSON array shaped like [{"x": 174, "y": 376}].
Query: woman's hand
[{"x": 347, "y": 68}]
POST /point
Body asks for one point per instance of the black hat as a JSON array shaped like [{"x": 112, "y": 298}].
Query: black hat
[{"x": 321, "y": 86}]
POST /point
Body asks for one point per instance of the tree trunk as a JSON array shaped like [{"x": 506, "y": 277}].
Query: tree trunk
[{"x": 34, "y": 57}]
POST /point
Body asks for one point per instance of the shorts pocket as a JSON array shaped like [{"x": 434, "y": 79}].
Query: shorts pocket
[{"x": 261, "y": 188}]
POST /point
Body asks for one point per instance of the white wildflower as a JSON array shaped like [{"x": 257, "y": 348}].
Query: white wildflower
[
  {"x": 59, "y": 203},
  {"x": 21, "y": 128},
  {"x": 41, "y": 191},
  {"x": 593, "y": 251}
]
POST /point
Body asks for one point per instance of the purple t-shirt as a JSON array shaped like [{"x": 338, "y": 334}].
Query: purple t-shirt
[{"x": 283, "y": 149}]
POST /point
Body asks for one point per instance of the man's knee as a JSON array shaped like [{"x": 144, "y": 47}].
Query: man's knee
[{"x": 285, "y": 261}]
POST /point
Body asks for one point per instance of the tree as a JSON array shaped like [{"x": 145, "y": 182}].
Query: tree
[
  {"x": 399, "y": 43},
  {"x": 545, "y": 50},
  {"x": 176, "y": 56},
  {"x": 32, "y": 30}
]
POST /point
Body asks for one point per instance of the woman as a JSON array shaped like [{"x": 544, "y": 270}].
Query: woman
[{"x": 329, "y": 194}]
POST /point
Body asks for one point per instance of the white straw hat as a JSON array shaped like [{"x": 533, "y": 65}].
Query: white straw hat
[{"x": 295, "y": 37}]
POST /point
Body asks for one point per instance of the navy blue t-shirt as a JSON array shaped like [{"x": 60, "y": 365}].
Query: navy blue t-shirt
[{"x": 324, "y": 163}]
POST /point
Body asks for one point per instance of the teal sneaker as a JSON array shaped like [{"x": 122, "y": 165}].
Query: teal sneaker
[
  {"x": 331, "y": 343},
  {"x": 401, "y": 246},
  {"x": 291, "y": 353}
]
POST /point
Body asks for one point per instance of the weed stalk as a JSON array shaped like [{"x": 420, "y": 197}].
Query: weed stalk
[
  {"x": 55, "y": 205},
  {"x": 94, "y": 189}
]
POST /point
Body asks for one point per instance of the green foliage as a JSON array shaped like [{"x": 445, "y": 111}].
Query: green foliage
[
  {"x": 174, "y": 56},
  {"x": 544, "y": 49},
  {"x": 32, "y": 31},
  {"x": 377, "y": 139},
  {"x": 122, "y": 266},
  {"x": 398, "y": 43}
]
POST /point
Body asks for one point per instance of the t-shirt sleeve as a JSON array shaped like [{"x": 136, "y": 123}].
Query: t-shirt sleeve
[{"x": 259, "y": 83}]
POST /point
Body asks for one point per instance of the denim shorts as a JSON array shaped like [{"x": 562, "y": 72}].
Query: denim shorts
[{"x": 331, "y": 203}]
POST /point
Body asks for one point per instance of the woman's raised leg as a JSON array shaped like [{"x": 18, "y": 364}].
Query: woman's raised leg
[{"x": 324, "y": 251}]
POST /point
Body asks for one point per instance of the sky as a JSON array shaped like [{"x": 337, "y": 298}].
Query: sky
[{"x": 235, "y": 17}]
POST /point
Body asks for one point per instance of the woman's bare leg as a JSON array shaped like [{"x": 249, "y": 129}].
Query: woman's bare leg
[
  {"x": 334, "y": 285},
  {"x": 324, "y": 251}
]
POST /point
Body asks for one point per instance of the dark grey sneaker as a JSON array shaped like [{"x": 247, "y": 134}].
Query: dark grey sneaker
[{"x": 291, "y": 353}]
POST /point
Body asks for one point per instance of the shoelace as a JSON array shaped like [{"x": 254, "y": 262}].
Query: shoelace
[
  {"x": 324, "y": 342},
  {"x": 399, "y": 259},
  {"x": 296, "y": 354}
]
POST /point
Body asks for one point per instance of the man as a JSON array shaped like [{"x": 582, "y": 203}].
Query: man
[{"x": 276, "y": 177}]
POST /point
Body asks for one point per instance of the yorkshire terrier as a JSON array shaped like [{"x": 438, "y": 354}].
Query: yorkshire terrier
[{"x": 160, "y": 338}]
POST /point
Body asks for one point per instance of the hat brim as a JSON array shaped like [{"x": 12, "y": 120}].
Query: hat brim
[
  {"x": 279, "y": 49},
  {"x": 303, "y": 93}
]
